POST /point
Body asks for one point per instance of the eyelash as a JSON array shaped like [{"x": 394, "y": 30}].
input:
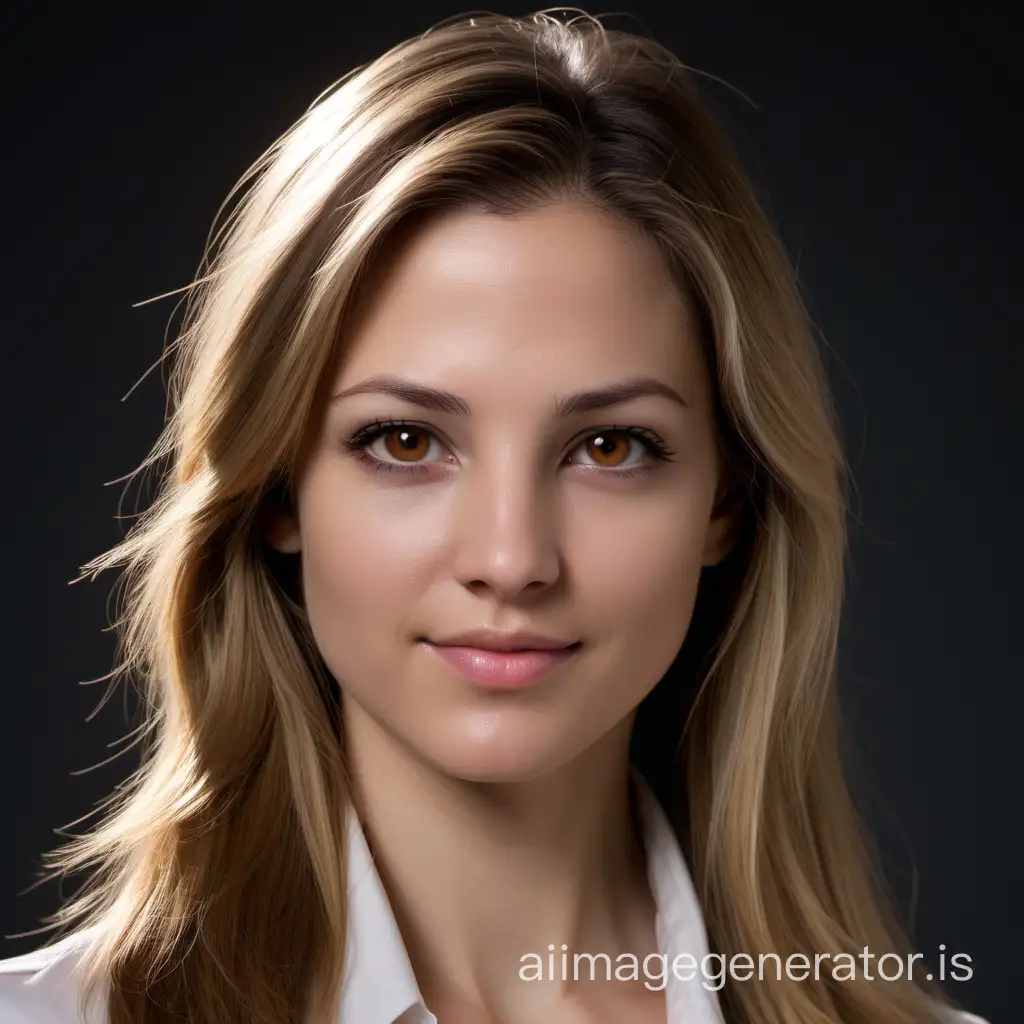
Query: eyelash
[{"x": 363, "y": 438}]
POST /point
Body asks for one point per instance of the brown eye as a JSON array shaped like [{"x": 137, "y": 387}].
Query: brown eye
[
  {"x": 610, "y": 448},
  {"x": 407, "y": 444}
]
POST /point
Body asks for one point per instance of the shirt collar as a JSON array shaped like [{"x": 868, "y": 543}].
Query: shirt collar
[
  {"x": 380, "y": 985},
  {"x": 679, "y": 925}
]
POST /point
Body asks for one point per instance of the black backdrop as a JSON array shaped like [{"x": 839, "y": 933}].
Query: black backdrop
[{"x": 882, "y": 136}]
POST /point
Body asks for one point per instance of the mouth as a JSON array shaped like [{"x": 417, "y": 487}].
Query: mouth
[{"x": 503, "y": 670}]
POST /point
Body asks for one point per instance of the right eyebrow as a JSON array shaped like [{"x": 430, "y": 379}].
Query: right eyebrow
[{"x": 408, "y": 391}]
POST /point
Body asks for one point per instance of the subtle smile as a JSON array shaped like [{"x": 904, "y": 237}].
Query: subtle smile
[{"x": 503, "y": 670}]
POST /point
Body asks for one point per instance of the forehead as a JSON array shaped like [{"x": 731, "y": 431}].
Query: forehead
[{"x": 559, "y": 293}]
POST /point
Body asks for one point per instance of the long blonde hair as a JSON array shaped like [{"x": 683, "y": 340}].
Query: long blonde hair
[{"x": 217, "y": 877}]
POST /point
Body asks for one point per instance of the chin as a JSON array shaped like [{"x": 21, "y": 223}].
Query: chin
[{"x": 485, "y": 749}]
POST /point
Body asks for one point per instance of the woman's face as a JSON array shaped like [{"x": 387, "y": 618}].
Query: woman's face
[{"x": 508, "y": 503}]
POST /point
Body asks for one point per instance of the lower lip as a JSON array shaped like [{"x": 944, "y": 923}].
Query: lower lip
[{"x": 503, "y": 670}]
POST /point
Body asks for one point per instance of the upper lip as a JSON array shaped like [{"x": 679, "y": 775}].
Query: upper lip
[{"x": 495, "y": 640}]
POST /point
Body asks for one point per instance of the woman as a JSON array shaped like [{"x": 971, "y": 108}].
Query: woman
[{"x": 488, "y": 609}]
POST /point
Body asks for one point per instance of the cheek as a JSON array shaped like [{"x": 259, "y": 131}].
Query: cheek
[
  {"x": 638, "y": 563},
  {"x": 366, "y": 562}
]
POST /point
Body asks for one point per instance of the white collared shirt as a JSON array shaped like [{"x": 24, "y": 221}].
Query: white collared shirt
[{"x": 379, "y": 985}]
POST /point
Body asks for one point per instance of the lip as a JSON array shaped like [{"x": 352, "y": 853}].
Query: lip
[
  {"x": 495, "y": 640},
  {"x": 503, "y": 670}
]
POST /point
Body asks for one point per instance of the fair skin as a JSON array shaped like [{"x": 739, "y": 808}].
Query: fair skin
[{"x": 500, "y": 820}]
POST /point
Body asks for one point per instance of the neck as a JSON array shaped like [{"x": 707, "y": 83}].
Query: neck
[{"x": 480, "y": 874}]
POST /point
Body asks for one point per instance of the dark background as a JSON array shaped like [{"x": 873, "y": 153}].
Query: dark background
[{"x": 883, "y": 137}]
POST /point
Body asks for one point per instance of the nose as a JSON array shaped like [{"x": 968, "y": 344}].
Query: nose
[{"x": 506, "y": 530}]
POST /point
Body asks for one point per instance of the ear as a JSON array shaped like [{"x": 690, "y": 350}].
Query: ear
[
  {"x": 280, "y": 529},
  {"x": 724, "y": 526}
]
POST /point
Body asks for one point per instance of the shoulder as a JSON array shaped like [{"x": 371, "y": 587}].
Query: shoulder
[
  {"x": 960, "y": 1017},
  {"x": 41, "y": 987}
]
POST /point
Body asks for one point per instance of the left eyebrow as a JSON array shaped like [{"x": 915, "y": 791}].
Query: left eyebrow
[{"x": 571, "y": 405}]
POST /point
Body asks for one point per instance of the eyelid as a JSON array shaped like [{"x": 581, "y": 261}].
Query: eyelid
[{"x": 367, "y": 435}]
